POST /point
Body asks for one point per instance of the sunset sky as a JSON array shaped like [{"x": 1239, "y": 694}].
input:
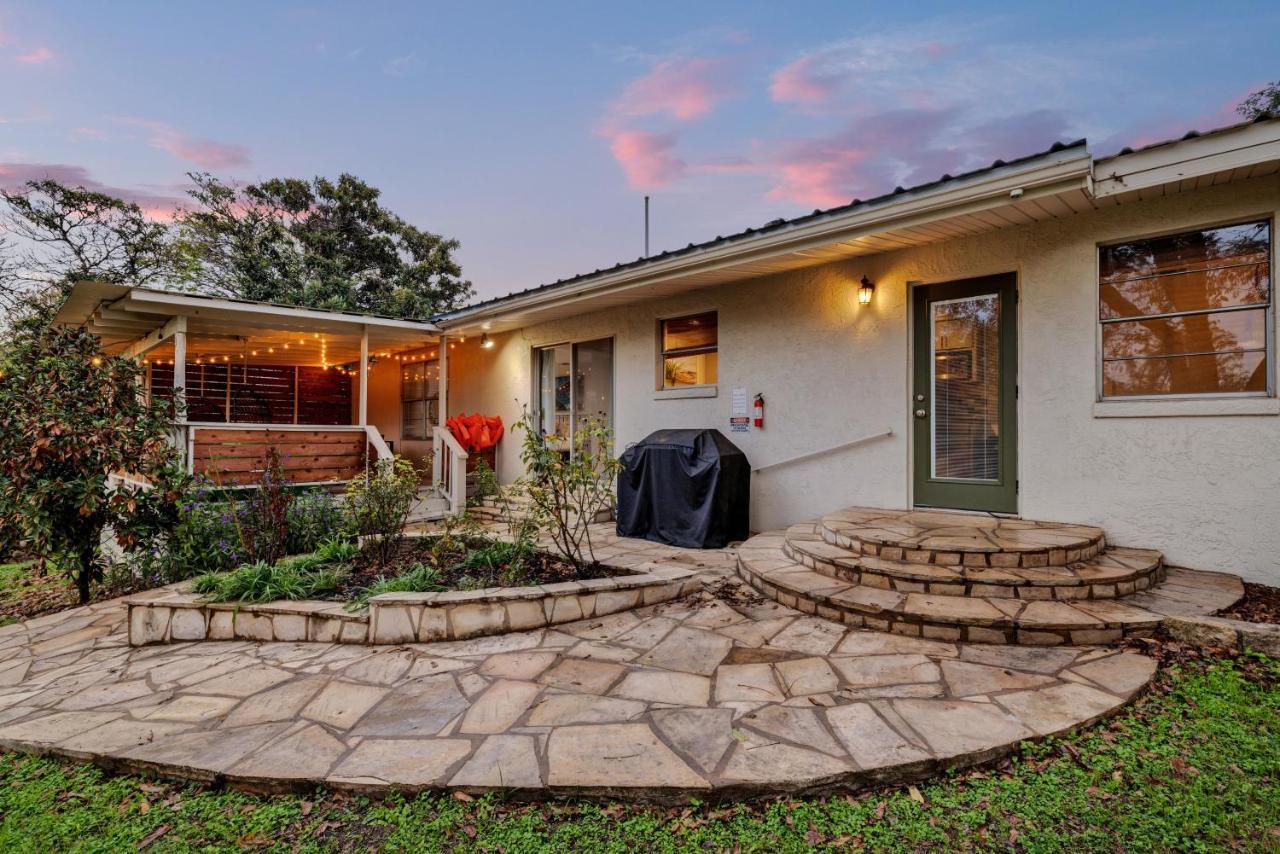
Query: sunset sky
[{"x": 531, "y": 131}]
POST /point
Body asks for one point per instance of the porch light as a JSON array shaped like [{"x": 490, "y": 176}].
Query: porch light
[
  {"x": 486, "y": 342},
  {"x": 865, "y": 291}
]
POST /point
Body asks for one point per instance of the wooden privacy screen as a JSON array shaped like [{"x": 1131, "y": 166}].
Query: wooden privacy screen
[
  {"x": 260, "y": 394},
  {"x": 237, "y": 457}
]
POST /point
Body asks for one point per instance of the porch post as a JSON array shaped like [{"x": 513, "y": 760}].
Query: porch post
[
  {"x": 442, "y": 404},
  {"x": 364, "y": 375},
  {"x": 180, "y": 364}
]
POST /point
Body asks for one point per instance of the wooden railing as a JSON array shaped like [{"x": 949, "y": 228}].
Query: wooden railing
[
  {"x": 231, "y": 455},
  {"x": 449, "y": 469}
]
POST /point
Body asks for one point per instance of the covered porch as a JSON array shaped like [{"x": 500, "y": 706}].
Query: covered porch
[{"x": 330, "y": 391}]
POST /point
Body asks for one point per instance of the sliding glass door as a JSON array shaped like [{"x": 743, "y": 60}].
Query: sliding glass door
[{"x": 573, "y": 386}]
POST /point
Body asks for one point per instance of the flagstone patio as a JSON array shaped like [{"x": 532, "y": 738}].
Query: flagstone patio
[{"x": 722, "y": 693}]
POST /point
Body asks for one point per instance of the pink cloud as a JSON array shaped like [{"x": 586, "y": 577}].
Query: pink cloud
[
  {"x": 38, "y": 56},
  {"x": 156, "y": 206},
  {"x": 1159, "y": 131},
  {"x": 684, "y": 88},
  {"x": 90, "y": 133},
  {"x": 804, "y": 82},
  {"x": 646, "y": 157},
  {"x": 205, "y": 153}
]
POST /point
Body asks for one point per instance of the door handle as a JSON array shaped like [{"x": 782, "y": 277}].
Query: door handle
[{"x": 920, "y": 413}]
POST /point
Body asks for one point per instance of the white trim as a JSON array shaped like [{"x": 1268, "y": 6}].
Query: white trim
[
  {"x": 1236, "y": 148},
  {"x": 1184, "y": 407},
  {"x": 688, "y": 391},
  {"x": 145, "y": 301},
  {"x": 156, "y": 337},
  {"x": 1056, "y": 172}
]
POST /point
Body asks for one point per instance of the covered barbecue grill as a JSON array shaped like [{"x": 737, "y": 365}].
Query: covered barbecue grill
[{"x": 688, "y": 488}]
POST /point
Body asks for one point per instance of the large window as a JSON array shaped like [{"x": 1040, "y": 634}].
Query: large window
[
  {"x": 1187, "y": 314},
  {"x": 689, "y": 350},
  {"x": 419, "y": 399}
]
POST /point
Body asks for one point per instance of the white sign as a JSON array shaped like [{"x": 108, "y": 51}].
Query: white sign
[
  {"x": 739, "y": 424},
  {"x": 739, "y": 401}
]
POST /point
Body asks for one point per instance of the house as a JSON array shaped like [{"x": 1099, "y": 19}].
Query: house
[{"x": 1062, "y": 336}]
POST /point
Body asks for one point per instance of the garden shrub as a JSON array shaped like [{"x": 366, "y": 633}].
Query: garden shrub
[
  {"x": 264, "y": 515},
  {"x": 567, "y": 490},
  {"x": 378, "y": 505},
  {"x": 312, "y": 518}
]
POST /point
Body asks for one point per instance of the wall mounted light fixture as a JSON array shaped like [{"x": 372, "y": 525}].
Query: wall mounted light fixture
[
  {"x": 865, "y": 291},
  {"x": 485, "y": 341}
]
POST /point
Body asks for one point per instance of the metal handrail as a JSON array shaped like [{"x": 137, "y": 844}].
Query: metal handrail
[{"x": 832, "y": 449}]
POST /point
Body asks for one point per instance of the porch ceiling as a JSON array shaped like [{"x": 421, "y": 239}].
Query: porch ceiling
[{"x": 227, "y": 330}]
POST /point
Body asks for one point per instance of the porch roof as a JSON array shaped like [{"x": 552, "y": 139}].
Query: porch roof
[
  {"x": 122, "y": 315},
  {"x": 1063, "y": 181}
]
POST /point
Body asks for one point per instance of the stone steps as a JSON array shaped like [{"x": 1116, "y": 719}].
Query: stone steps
[
  {"x": 1063, "y": 585},
  {"x": 1113, "y": 572}
]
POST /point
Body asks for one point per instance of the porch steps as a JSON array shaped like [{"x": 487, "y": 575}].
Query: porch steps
[{"x": 973, "y": 578}]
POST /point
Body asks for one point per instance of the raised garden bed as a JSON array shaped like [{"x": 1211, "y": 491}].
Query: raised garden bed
[{"x": 549, "y": 592}]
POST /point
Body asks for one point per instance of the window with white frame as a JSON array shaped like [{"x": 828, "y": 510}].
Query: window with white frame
[
  {"x": 1187, "y": 314},
  {"x": 689, "y": 350},
  {"x": 419, "y": 398}
]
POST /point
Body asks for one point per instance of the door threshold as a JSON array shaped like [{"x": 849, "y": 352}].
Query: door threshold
[{"x": 959, "y": 511}]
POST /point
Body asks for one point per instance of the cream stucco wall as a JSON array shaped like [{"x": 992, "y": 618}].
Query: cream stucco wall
[{"x": 1205, "y": 489}]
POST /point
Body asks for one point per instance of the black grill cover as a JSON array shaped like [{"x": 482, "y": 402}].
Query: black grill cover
[{"x": 688, "y": 488}]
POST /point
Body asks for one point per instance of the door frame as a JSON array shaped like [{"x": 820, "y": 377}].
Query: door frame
[
  {"x": 1002, "y": 495},
  {"x": 572, "y": 344}
]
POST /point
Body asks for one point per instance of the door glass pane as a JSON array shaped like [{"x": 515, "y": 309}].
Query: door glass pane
[
  {"x": 555, "y": 392},
  {"x": 593, "y": 383},
  {"x": 966, "y": 388}
]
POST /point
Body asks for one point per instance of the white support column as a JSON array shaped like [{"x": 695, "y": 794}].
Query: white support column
[
  {"x": 364, "y": 376},
  {"x": 180, "y": 364},
  {"x": 443, "y": 365}
]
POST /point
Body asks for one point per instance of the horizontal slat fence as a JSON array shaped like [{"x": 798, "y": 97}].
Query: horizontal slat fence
[
  {"x": 260, "y": 394},
  {"x": 230, "y": 457}
]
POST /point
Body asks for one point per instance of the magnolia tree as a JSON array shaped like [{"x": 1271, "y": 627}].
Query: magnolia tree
[{"x": 70, "y": 418}]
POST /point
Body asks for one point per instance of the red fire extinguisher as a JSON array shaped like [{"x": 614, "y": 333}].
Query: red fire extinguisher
[{"x": 758, "y": 411}]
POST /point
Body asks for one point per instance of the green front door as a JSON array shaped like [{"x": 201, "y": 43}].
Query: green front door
[{"x": 964, "y": 400}]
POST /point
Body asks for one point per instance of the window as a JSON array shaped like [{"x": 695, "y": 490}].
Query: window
[
  {"x": 419, "y": 399},
  {"x": 689, "y": 350},
  {"x": 1187, "y": 314}
]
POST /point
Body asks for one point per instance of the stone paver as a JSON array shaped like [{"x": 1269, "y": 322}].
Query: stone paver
[{"x": 723, "y": 690}]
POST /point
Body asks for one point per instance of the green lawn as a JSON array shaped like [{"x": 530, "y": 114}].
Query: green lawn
[
  {"x": 1193, "y": 766},
  {"x": 24, "y": 592}
]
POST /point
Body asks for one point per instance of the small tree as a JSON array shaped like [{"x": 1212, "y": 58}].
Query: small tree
[
  {"x": 379, "y": 504},
  {"x": 567, "y": 489},
  {"x": 70, "y": 418}
]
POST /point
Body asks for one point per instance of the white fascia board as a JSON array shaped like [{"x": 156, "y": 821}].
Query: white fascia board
[
  {"x": 1068, "y": 169},
  {"x": 1188, "y": 158},
  {"x": 163, "y": 302}
]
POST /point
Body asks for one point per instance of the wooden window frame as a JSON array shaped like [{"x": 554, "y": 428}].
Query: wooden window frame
[{"x": 1269, "y": 309}]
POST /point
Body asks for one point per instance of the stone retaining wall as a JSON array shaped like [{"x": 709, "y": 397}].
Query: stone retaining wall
[{"x": 173, "y": 615}]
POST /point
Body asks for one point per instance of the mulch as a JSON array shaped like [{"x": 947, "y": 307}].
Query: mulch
[{"x": 1261, "y": 604}]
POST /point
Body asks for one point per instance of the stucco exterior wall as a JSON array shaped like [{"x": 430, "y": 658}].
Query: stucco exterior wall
[{"x": 1204, "y": 489}]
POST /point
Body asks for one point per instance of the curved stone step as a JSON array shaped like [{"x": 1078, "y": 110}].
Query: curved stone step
[
  {"x": 1115, "y": 572},
  {"x": 763, "y": 563},
  {"x": 960, "y": 539}
]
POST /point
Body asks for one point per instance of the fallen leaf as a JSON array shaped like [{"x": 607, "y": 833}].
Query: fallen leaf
[
  {"x": 462, "y": 796},
  {"x": 915, "y": 794},
  {"x": 154, "y": 835}
]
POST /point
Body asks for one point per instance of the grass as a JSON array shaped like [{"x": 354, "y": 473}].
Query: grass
[
  {"x": 1194, "y": 766},
  {"x": 25, "y": 592},
  {"x": 299, "y": 577}
]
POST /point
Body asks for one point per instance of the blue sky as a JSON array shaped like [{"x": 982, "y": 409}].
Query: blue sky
[{"x": 531, "y": 131}]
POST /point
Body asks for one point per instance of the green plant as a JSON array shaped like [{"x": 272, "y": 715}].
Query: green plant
[
  {"x": 418, "y": 578},
  {"x": 379, "y": 503},
  {"x": 566, "y": 490},
  {"x": 298, "y": 577},
  {"x": 313, "y": 517},
  {"x": 263, "y": 517},
  {"x": 485, "y": 480},
  {"x": 71, "y": 419}
]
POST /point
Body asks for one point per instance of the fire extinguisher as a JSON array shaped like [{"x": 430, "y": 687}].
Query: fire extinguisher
[{"x": 758, "y": 411}]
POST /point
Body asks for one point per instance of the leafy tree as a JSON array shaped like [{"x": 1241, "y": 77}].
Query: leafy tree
[
  {"x": 321, "y": 244},
  {"x": 58, "y": 235},
  {"x": 1266, "y": 101},
  {"x": 70, "y": 418}
]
